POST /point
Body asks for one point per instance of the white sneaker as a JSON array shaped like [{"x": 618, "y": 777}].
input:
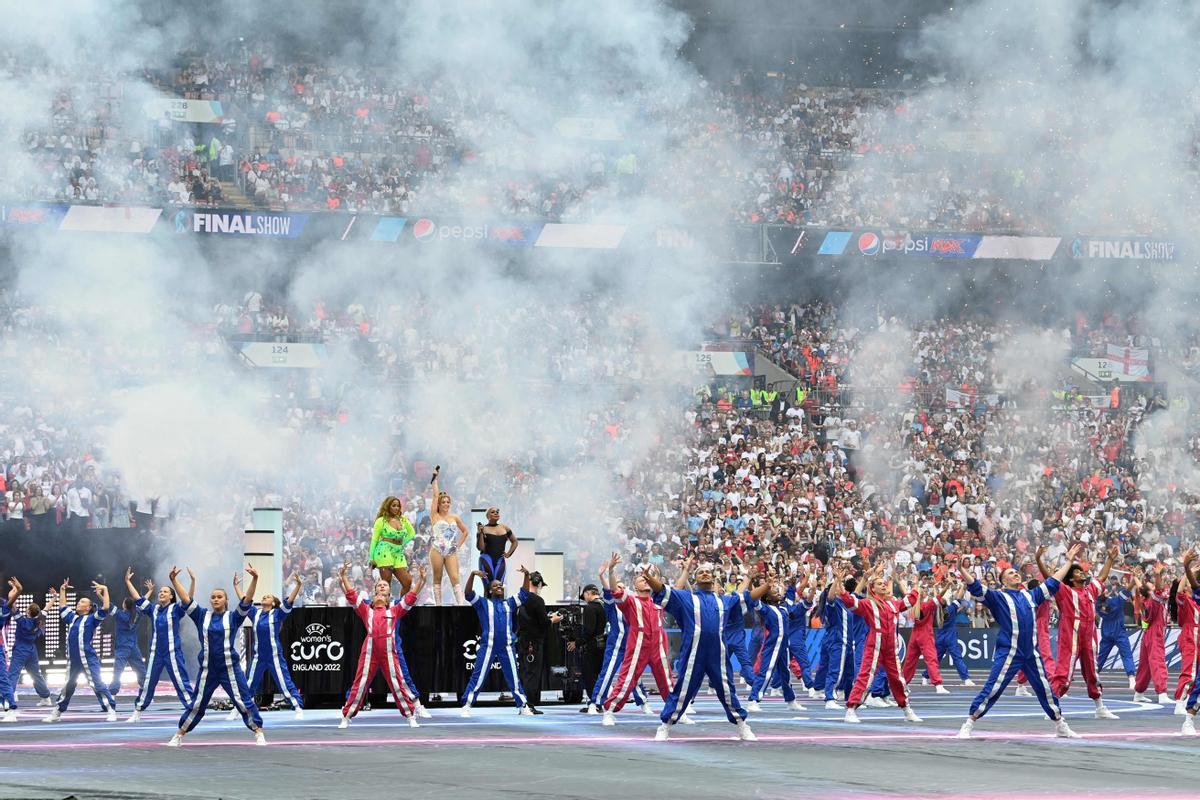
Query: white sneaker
[
  {"x": 839, "y": 695},
  {"x": 910, "y": 715},
  {"x": 10, "y": 715},
  {"x": 924, "y": 681},
  {"x": 833, "y": 705},
  {"x": 1132, "y": 682},
  {"x": 663, "y": 733},
  {"x": 176, "y": 741},
  {"x": 466, "y": 711},
  {"x": 412, "y": 722},
  {"x": 796, "y": 705},
  {"x": 345, "y": 723},
  {"x": 1180, "y": 707},
  {"x": 875, "y": 702},
  {"x": 1102, "y": 712},
  {"x": 1165, "y": 699},
  {"x": 260, "y": 738},
  {"x": 939, "y": 689},
  {"x": 55, "y": 716},
  {"x": 965, "y": 731},
  {"x": 136, "y": 716},
  {"x": 851, "y": 716},
  {"x": 299, "y": 714},
  {"x": 744, "y": 732},
  {"x": 648, "y": 710},
  {"x": 1189, "y": 726},
  {"x": 968, "y": 682},
  {"x": 591, "y": 709},
  {"x": 890, "y": 702},
  {"x": 686, "y": 720},
  {"x": 111, "y": 716},
  {"x": 46, "y": 701},
  {"x": 812, "y": 694},
  {"x": 1023, "y": 691},
  {"x": 423, "y": 712},
  {"x": 525, "y": 712},
  {"x": 1063, "y": 731},
  {"x": 1140, "y": 697},
  {"x": 609, "y": 719},
  {"x": 753, "y": 706},
  {"x": 234, "y": 714}
]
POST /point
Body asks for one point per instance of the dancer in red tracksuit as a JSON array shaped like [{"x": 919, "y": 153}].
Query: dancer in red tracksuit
[
  {"x": 379, "y": 650},
  {"x": 1187, "y": 614},
  {"x": 879, "y": 611},
  {"x": 1043, "y": 644},
  {"x": 1077, "y": 629},
  {"x": 921, "y": 643},
  {"x": 1152, "y": 654},
  {"x": 645, "y": 643}
]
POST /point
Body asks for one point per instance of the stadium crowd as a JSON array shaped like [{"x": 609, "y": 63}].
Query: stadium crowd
[{"x": 313, "y": 136}]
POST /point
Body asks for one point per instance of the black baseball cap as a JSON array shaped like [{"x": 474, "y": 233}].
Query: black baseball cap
[
  {"x": 591, "y": 587},
  {"x": 535, "y": 578}
]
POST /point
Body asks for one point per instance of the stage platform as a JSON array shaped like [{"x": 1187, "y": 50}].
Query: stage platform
[{"x": 565, "y": 754}]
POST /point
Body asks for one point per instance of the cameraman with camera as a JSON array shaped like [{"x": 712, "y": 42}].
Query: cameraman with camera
[{"x": 532, "y": 626}]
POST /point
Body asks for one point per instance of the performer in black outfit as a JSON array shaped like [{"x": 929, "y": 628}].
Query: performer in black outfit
[
  {"x": 496, "y": 543},
  {"x": 532, "y": 626}
]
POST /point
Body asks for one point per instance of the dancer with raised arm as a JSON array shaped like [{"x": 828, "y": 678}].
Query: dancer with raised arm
[
  {"x": 1111, "y": 610},
  {"x": 767, "y": 599},
  {"x": 127, "y": 651},
  {"x": 1077, "y": 628},
  {"x": 267, "y": 618},
  {"x": 218, "y": 626},
  {"x": 390, "y": 535},
  {"x": 921, "y": 643},
  {"x": 946, "y": 638},
  {"x": 614, "y": 644},
  {"x": 880, "y": 611},
  {"x": 166, "y": 645},
  {"x": 1186, "y": 612},
  {"x": 799, "y": 605},
  {"x": 448, "y": 535},
  {"x": 380, "y": 615},
  {"x": 1014, "y": 608},
  {"x": 1152, "y": 654},
  {"x": 645, "y": 645},
  {"x": 700, "y": 614},
  {"x": 30, "y": 627},
  {"x": 82, "y": 623},
  {"x": 8, "y": 694},
  {"x": 1192, "y": 704},
  {"x": 496, "y": 638}
]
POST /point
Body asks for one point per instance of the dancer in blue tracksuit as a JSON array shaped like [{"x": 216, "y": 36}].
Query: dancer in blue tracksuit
[
  {"x": 496, "y": 640},
  {"x": 30, "y": 627},
  {"x": 82, "y": 623},
  {"x": 1110, "y": 607},
  {"x": 837, "y": 647},
  {"x": 614, "y": 645},
  {"x": 799, "y": 618},
  {"x": 1014, "y": 608},
  {"x": 220, "y": 666},
  {"x": 267, "y": 618},
  {"x": 735, "y": 640},
  {"x": 700, "y": 614},
  {"x": 8, "y": 696},
  {"x": 946, "y": 638},
  {"x": 773, "y": 668},
  {"x": 127, "y": 651},
  {"x": 166, "y": 646}
]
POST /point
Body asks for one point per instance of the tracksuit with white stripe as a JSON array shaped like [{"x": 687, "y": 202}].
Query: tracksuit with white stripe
[
  {"x": 946, "y": 640},
  {"x": 701, "y": 617},
  {"x": 1015, "y": 613},
  {"x": 8, "y": 687},
  {"x": 1077, "y": 638},
  {"x": 379, "y": 654},
  {"x": 837, "y": 648},
  {"x": 1193, "y": 700},
  {"x": 774, "y": 656},
  {"x": 1112, "y": 631},
  {"x": 24, "y": 656},
  {"x": 1189, "y": 642},
  {"x": 83, "y": 657},
  {"x": 880, "y": 645},
  {"x": 268, "y": 653},
  {"x": 614, "y": 654},
  {"x": 645, "y": 646},
  {"x": 166, "y": 652},
  {"x": 220, "y": 665},
  {"x": 496, "y": 643},
  {"x": 127, "y": 652},
  {"x": 735, "y": 640}
]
